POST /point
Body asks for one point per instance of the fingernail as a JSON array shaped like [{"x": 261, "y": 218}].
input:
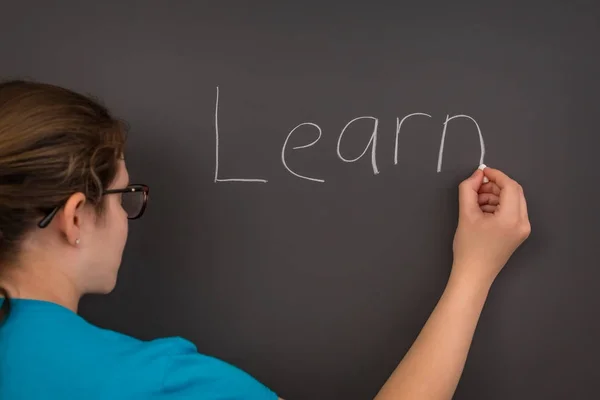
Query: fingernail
[{"x": 482, "y": 167}]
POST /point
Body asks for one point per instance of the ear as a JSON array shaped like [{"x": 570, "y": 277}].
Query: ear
[{"x": 72, "y": 218}]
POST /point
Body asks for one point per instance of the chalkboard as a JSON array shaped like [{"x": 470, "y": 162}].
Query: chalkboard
[{"x": 317, "y": 287}]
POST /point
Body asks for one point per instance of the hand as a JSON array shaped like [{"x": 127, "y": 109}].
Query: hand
[{"x": 492, "y": 224}]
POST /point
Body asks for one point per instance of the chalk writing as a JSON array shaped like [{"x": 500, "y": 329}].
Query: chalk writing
[
  {"x": 398, "y": 127},
  {"x": 217, "y": 179},
  {"x": 481, "y": 144},
  {"x": 372, "y": 143},
  {"x": 300, "y": 147}
]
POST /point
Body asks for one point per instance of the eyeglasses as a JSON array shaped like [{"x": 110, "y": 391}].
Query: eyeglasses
[{"x": 133, "y": 200}]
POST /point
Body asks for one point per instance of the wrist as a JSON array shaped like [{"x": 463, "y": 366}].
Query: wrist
[{"x": 471, "y": 278}]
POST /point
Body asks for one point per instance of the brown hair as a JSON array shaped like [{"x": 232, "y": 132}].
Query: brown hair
[{"x": 53, "y": 142}]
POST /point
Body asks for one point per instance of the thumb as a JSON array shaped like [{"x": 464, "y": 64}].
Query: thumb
[{"x": 468, "y": 192}]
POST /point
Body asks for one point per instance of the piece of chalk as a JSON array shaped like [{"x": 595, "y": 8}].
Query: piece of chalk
[{"x": 482, "y": 167}]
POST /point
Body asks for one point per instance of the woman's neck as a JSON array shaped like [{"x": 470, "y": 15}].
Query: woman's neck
[{"x": 40, "y": 283}]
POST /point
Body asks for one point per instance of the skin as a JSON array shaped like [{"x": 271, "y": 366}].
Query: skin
[
  {"x": 493, "y": 222},
  {"x": 52, "y": 266}
]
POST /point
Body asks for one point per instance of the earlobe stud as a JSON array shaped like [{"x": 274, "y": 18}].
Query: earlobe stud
[{"x": 77, "y": 241}]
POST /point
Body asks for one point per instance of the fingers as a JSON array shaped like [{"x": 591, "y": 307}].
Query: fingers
[
  {"x": 468, "y": 192},
  {"x": 488, "y": 198},
  {"x": 488, "y": 202},
  {"x": 510, "y": 192},
  {"x": 488, "y": 208},
  {"x": 475, "y": 196},
  {"x": 498, "y": 177},
  {"x": 490, "y": 187}
]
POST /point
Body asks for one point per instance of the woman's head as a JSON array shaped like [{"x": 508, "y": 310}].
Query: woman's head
[{"x": 60, "y": 152}]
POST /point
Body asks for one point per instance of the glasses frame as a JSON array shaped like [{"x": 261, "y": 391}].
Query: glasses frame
[{"x": 135, "y": 187}]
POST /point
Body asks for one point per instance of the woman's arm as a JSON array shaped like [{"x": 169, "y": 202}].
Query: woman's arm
[
  {"x": 493, "y": 222},
  {"x": 433, "y": 365}
]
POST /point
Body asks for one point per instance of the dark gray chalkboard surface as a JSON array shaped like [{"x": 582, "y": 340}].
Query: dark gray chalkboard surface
[{"x": 318, "y": 287}]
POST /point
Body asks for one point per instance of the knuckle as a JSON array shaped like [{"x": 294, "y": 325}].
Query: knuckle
[{"x": 525, "y": 229}]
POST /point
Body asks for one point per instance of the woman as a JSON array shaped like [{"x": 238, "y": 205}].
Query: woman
[{"x": 65, "y": 201}]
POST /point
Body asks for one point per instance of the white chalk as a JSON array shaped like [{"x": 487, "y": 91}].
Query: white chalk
[{"x": 482, "y": 167}]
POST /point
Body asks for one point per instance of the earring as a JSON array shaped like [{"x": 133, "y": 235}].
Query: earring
[{"x": 77, "y": 241}]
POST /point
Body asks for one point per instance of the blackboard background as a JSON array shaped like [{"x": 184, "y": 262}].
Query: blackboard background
[{"x": 318, "y": 289}]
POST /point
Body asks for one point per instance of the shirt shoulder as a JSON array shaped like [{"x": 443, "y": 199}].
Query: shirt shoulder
[
  {"x": 71, "y": 357},
  {"x": 189, "y": 373},
  {"x": 172, "y": 368}
]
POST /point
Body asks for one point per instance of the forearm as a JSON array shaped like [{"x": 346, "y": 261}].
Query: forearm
[{"x": 432, "y": 367}]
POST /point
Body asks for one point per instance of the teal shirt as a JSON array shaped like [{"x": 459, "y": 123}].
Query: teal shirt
[{"x": 49, "y": 352}]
